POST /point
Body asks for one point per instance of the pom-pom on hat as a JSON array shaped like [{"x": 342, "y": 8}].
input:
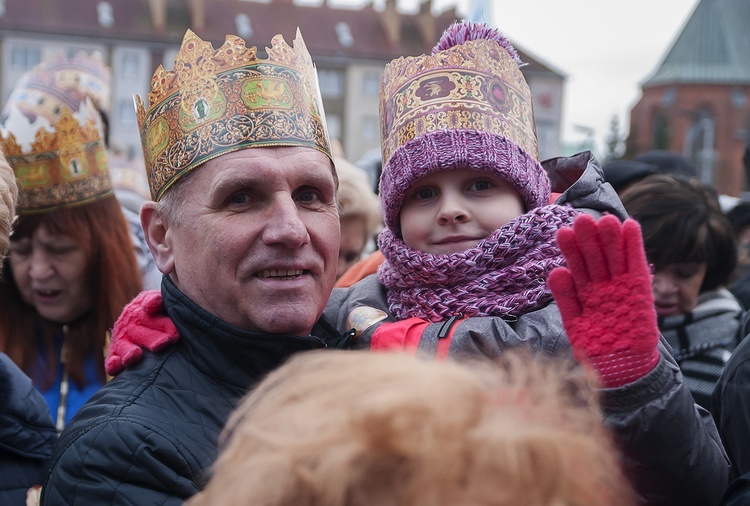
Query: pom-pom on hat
[{"x": 466, "y": 105}]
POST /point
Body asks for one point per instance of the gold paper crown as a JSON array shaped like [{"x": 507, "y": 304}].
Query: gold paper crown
[
  {"x": 218, "y": 101},
  {"x": 476, "y": 85},
  {"x": 64, "y": 167}
]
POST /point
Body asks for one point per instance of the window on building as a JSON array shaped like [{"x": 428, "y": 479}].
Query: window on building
[
  {"x": 244, "y": 28},
  {"x": 333, "y": 121},
  {"x": 344, "y": 34},
  {"x": 369, "y": 129},
  {"x": 371, "y": 84},
  {"x": 105, "y": 14},
  {"x": 25, "y": 57},
  {"x": 126, "y": 112},
  {"x": 130, "y": 65},
  {"x": 331, "y": 83}
]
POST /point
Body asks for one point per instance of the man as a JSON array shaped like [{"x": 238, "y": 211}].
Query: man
[{"x": 244, "y": 225}]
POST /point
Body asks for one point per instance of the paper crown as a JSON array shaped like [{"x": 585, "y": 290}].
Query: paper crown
[
  {"x": 218, "y": 101},
  {"x": 475, "y": 86},
  {"x": 62, "y": 82},
  {"x": 62, "y": 167}
]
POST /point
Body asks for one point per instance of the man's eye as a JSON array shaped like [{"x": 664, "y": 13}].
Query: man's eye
[
  {"x": 308, "y": 196},
  {"x": 238, "y": 199}
]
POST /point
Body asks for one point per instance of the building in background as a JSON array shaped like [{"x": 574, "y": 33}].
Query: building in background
[
  {"x": 349, "y": 46},
  {"x": 696, "y": 101}
]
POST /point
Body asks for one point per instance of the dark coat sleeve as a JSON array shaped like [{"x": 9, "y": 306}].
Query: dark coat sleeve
[
  {"x": 673, "y": 452},
  {"x": 137, "y": 466},
  {"x": 731, "y": 408}
]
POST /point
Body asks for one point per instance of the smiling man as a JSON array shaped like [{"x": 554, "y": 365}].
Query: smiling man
[{"x": 244, "y": 226}]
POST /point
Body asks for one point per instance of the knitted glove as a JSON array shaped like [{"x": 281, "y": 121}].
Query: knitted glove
[
  {"x": 605, "y": 298},
  {"x": 142, "y": 324}
]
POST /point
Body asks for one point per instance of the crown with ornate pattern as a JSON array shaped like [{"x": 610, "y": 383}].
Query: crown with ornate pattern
[
  {"x": 62, "y": 167},
  {"x": 218, "y": 101},
  {"x": 476, "y": 86}
]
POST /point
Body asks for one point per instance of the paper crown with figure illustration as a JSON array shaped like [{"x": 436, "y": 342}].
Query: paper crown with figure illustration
[
  {"x": 476, "y": 85},
  {"x": 218, "y": 101},
  {"x": 59, "y": 82},
  {"x": 59, "y": 165}
]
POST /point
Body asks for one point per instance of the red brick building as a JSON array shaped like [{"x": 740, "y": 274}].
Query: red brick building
[{"x": 697, "y": 102}]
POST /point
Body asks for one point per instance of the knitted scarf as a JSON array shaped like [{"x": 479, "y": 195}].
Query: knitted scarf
[{"x": 504, "y": 275}]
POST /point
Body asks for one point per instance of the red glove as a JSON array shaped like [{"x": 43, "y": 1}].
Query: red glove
[
  {"x": 605, "y": 298},
  {"x": 142, "y": 324}
]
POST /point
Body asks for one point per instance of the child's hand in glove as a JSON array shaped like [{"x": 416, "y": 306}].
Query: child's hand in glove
[{"x": 605, "y": 298}]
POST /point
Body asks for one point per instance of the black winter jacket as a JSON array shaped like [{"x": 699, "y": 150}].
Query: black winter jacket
[
  {"x": 150, "y": 435},
  {"x": 27, "y": 434}
]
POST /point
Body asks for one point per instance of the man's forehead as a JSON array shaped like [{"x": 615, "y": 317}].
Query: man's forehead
[{"x": 260, "y": 162}]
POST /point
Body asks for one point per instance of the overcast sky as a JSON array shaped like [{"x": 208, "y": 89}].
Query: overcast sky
[{"x": 606, "y": 47}]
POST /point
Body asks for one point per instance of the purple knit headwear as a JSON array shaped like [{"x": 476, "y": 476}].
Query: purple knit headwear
[{"x": 455, "y": 147}]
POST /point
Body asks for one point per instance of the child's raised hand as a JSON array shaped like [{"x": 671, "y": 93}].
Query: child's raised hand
[
  {"x": 142, "y": 324},
  {"x": 605, "y": 298}
]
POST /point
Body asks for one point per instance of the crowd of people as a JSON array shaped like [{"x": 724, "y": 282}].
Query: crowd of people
[{"x": 496, "y": 330}]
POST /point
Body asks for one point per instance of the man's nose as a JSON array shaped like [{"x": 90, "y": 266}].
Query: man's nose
[{"x": 284, "y": 224}]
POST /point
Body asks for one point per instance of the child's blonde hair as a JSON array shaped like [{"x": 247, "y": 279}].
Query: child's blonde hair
[{"x": 356, "y": 428}]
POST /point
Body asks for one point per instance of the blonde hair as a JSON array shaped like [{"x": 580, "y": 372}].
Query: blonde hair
[
  {"x": 358, "y": 428},
  {"x": 356, "y": 197},
  {"x": 8, "y": 197}
]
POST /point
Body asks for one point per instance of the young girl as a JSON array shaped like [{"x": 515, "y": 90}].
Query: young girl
[{"x": 470, "y": 241}]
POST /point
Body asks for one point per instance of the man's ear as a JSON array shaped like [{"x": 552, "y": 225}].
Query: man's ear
[{"x": 158, "y": 237}]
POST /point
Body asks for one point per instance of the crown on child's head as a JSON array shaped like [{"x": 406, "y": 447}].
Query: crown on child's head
[
  {"x": 463, "y": 85},
  {"x": 218, "y": 101},
  {"x": 64, "y": 166}
]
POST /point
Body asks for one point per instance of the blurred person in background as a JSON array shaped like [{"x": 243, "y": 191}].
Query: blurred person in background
[
  {"x": 523, "y": 431},
  {"x": 61, "y": 82},
  {"x": 71, "y": 267},
  {"x": 359, "y": 213},
  {"x": 27, "y": 434},
  {"x": 692, "y": 247}
]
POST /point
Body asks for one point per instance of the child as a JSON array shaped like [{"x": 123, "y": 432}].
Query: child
[
  {"x": 469, "y": 244},
  {"x": 433, "y": 433}
]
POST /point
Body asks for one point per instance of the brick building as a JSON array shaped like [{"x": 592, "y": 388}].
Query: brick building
[{"x": 697, "y": 102}]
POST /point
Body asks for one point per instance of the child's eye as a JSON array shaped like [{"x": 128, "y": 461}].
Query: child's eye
[
  {"x": 480, "y": 185},
  {"x": 424, "y": 193}
]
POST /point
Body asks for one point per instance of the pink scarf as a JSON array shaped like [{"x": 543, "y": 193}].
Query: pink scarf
[{"x": 504, "y": 275}]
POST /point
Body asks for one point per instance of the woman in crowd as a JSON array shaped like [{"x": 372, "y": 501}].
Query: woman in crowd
[
  {"x": 71, "y": 267},
  {"x": 692, "y": 247}
]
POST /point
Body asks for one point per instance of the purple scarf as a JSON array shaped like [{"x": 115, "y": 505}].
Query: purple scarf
[{"x": 504, "y": 275}]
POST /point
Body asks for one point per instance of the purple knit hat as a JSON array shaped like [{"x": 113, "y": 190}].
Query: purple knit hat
[{"x": 467, "y": 105}]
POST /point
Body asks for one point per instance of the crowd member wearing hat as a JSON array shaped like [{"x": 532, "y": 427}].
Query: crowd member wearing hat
[
  {"x": 244, "y": 226},
  {"x": 71, "y": 267},
  {"x": 27, "y": 434},
  {"x": 520, "y": 432},
  {"x": 61, "y": 82},
  {"x": 470, "y": 240}
]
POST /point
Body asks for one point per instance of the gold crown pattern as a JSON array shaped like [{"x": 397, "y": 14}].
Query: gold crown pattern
[
  {"x": 218, "y": 101},
  {"x": 472, "y": 86},
  {"x": 65, "y": 167}
]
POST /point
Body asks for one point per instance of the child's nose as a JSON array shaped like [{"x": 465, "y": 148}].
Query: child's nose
[
  {"x": 664, "y": 284},
  {"x": 453, "y": 210}
]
